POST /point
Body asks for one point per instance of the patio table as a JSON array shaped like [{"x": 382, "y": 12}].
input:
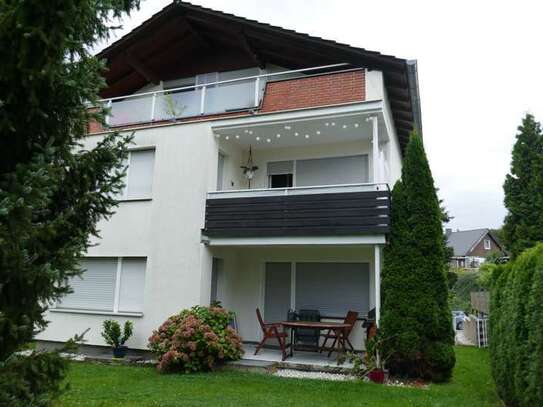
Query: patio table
[{"x": 338, "y": 327}]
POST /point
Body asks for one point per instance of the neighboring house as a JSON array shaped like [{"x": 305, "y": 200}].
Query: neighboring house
[
  {"x": 218, "y": 103},
  {"x": 472, "y": 247}
]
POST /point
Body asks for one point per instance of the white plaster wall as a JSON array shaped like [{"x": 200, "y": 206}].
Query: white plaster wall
[
  {"x": 374, "y": 85},
  {"x": 393, "y": 152},
  {"x": 232, "y": 173},
  {"x": 165, "y": 229},
  {"x": 240, "y": 287},
  {"x": 375, "y": 90}
]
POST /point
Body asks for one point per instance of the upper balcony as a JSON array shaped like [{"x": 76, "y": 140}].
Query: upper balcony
[
  {"x": 321, "y": 173},
  {"x": 236, "y": 93}
]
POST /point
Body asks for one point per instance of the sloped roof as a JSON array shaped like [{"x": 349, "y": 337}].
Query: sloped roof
[
  {"x": 172, "y": 37},
  {"x": 462, "y": 241}
]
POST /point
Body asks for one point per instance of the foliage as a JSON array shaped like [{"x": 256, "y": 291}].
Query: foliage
[
  {"x": 106, "y": 385},
  {"x": 452, "y": 278},
  {"x": 112, "y": 332},
  {"x": 516, "y": 322},
  {"x": 374, "y": 358},
  {"x": 523, "y": 187},
  {"x": 195, "y": 340},
  {"x": 33, "y": 378},
  {"x": 52, "y": 193},
  {"x": 415, "y": 310},
  {"x": 468, "y": 281}
]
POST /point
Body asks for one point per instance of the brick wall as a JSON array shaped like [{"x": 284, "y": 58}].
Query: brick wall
[{"x": 322, "y": 90}]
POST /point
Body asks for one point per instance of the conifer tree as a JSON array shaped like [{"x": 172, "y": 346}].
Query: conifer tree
[
  {"x": 523, "y": 187},
  {"x": 415, "y": 321},
  {"x": 52, "y": 194}
]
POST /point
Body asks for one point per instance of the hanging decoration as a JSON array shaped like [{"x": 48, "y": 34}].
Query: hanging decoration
[{"x": 250, "y": 168}]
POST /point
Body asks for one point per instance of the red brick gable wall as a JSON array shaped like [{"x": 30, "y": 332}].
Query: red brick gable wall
[
  {"x": 480, "y": 251},
  {"x": 322, "y": 90}
]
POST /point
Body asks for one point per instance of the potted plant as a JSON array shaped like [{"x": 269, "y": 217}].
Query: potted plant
[
  {"x": 371, "y": 364},
  {"x": 375, "y": 360},
  {"x": 115, "y": 338}
]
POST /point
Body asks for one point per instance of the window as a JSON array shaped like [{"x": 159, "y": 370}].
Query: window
[
  {"x": 487, "y": 244},
  {"x": 139, "y": 175},
  {"x": 318, "y": 171},
  {"x": 281, "y": 174},
  {"x": 108, "y": 284},
  {"x": 277, "y": 291},
  {"x": 332, "y": 171},
  {"x": 332, "y": 288},
  {"x": 215, "y": 277}
]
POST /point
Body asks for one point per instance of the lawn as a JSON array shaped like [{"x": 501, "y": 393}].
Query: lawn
[{"x": 110, "y": 385}]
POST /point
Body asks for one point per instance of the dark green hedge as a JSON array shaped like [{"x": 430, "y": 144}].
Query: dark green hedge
[{"x": 516, "y": 327}]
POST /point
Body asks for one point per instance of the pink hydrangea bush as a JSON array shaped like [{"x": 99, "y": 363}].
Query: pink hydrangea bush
[{"x": 195, "y": 340}]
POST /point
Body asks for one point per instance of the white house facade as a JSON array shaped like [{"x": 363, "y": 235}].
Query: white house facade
[{"x": 259, "y": 176}]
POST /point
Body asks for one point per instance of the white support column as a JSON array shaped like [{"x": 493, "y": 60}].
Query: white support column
[
  {"x": 375, "y": 148},
  {"x": 377, "y": 282}
]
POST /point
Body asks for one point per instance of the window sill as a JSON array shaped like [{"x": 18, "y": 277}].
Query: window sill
[
  {"x": 91, "y": 312},
  {"x": 135, "y": 199}
]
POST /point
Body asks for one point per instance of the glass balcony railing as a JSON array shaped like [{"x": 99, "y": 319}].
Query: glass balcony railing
[{"x": 202, "y": 99}]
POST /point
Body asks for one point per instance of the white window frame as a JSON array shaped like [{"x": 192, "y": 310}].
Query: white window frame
[
  {"x": 124, "y": 197},
  {"x": 116, "y": 299},
  {"x": 487, "y": 244}
]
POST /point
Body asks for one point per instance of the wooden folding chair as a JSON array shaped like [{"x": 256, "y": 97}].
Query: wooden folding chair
[
  {"x": 350, "y": 319},
  {"x": 270, "y": 331}
]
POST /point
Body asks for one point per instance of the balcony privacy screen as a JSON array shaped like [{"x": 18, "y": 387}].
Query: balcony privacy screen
[
  {"x": 277, "y": 292},
  {"x": 333, "y": 288},
  {"x": 332, "y": 171}
]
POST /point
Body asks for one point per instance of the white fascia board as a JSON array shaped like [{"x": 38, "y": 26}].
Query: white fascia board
[
  {"x": 295, "y": 241},
  {"x": 370, "y": 107}
]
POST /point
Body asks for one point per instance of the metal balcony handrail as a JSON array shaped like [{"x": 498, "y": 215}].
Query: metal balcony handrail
[
  {"x": 294, "y": 190},
  {"x": 246, "y": 78}
]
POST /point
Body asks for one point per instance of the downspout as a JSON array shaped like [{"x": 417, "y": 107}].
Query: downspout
[{"x": 413, "y": 83}]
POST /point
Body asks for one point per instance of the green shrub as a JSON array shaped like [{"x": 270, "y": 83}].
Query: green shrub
[
  {"x": 415, "y": 311},
  {"x": 516, "y": 321},
  {"x": 195, "y": 340},
  {"x": 112, "y": 332}
]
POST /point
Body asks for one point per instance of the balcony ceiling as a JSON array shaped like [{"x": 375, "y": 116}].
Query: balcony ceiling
[
  {"x": 300, "y": 133},
  {"x": 184, "y": 39}
]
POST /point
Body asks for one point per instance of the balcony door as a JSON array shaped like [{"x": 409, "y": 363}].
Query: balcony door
[{"x": 332, "y": 288}]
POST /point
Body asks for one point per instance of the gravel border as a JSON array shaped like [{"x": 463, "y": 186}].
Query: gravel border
[{"x": 299, "y": 374}]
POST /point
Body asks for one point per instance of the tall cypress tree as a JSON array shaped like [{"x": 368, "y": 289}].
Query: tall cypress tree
[
  {"x": 523, "y": 188},
  {"x": 416, "y": 322},
  {"x": 52, "y": 194}
]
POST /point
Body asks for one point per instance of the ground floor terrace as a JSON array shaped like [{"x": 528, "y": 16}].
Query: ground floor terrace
[{"x": 275, "y": 278}]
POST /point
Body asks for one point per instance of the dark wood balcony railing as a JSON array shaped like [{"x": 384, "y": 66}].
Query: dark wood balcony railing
[{"x": 324, "y": 211}]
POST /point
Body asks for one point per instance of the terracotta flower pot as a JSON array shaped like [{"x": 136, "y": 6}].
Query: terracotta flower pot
[{"x": 377, "y": 376}]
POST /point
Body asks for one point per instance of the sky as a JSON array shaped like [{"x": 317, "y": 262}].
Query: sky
[{"x": 480, "y": 71}]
